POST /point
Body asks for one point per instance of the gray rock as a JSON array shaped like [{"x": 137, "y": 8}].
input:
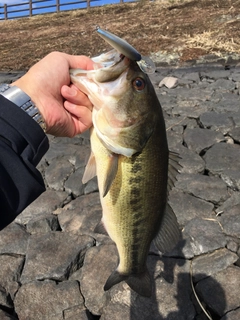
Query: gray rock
[
  {"x": 195, "y": 94},
  {"x": 84, "y": 221},
  {"x": 43, "y": 223},
  {"x": 10, "y": 271},
  {"x": 13, "y": 240},
  {"x": 54, "y": 255},
  {"x": 193, "y": 76},
  {"x": 222, "y": 85},
  {"x": 82, "y": 214},
  {"x": 49, "y": 201},
  {"x": 99, "y": 263},
  {"x": 190, "y": 161},
  {"x": 189, "y": 108},
  {"x": 91, "y": 186},
  {"x": 232, "y": 315},
  {"x": 189, "y": 123},
  {"x": 230, "y": 221},
  {"x": 174, "y": 139},
  {"x": 59, "y": 150},
  {"x": 235, "y": 77},
  {"x": 230, "y": 202},
  {"x": 188, "y": 207},
  {"x": 41, "y": 300},
  {"x": 10, "y": 77},
  {"x": 5, "y": 299},
  {"x": 74, "y": 183},
  {"x": 76, "y": 313},
  {"x": 222, "y": 158},
  {"x": 235, "y": 134},
  {"x": 232, "y": 246},
  {"x": 215, "y": 75},
  {"x": 6, "y": 316},
  {"x": 211, "y": 263},
  {"x": 84, "y": 202},
  {"x": 57, "y": 173},
  {"x": 204, "y": 236},
  {"x": 227, "y": 105},
  {"x": 116, "y": 311},
  {"x": 216, "y": 121},
  {"x": 231, "y": 178},
  {"x": 208, "y": 188},
  {"x": 219, "y": 290},
  {"x": 201, "y": 139}
]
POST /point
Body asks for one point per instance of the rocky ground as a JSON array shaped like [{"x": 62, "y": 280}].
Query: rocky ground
[{"x": 54, "y": 267}]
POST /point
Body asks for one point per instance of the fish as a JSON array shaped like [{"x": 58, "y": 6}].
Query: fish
[{"x": 134, "y": 167}]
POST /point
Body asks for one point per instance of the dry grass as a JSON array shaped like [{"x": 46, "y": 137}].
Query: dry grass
[{"x": 191, "y": 27}]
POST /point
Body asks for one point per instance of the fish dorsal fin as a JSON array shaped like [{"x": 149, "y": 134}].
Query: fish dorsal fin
[
  {"x": 173, "y": 169},
  {"x": 112, "y": 168},
  {"x": 169, "y": 233},
  {"x": 90, "y": 170}
]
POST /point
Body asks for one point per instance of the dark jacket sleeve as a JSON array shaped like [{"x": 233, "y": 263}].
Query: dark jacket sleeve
[{"x": 22, "y": 145}]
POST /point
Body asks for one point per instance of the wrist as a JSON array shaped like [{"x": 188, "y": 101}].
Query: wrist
[{"x": 23, "y": 101}]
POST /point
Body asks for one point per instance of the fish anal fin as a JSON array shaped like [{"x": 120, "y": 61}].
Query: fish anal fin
[
  {"x": 111, "y": 172},
  {"x": 174, "y": 168},
  {"x": 140, "y": 283},
  {"x": 100, "y": 228},
  {"x": 169, "y": 233},
  {"x": 90, "y": 170}
]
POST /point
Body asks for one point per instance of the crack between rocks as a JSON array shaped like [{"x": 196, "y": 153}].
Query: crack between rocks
[{"x": 238, "y": 308}]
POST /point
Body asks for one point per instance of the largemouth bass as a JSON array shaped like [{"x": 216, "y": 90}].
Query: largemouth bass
[{"x": 133, "y": 165}]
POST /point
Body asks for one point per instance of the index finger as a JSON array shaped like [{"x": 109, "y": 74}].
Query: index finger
[{"x": 82, "y": 62}]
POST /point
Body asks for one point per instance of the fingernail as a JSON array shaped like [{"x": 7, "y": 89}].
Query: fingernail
[{"x": 72, "y": 91}]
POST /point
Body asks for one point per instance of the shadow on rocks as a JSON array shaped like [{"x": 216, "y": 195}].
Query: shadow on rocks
[{"x": 173, "y": 297}]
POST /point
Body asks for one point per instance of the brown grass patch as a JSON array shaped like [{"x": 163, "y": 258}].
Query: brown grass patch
[{"x": 167, "y": 26}]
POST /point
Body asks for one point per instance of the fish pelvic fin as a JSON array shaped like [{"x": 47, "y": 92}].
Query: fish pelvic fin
[
  {"x": 111, "y": 172},
  {"x": 90, "y": 170},
  {"x": 169, "y": 233},
  {"x": 174, "y": 168},
  {"x": 140, "y": 283}
]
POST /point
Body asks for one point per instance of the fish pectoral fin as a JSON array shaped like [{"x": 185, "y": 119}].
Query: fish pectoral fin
[
  {"x": 169, "y": 233},
  {"x": 100, "y": 228},
  {"x": 90, "y": 170},
  {"x": 140, "y": 283},
  {"x": 174, "y": 168},
  {"x": 112, "y": 169}
]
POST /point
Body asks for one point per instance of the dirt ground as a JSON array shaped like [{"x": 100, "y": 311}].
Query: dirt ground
[{"x": 190, "y": 27}]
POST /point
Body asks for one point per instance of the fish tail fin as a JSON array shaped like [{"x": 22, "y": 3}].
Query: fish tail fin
[{"x": 140, "y": 283}]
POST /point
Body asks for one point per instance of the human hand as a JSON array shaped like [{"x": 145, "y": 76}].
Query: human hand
[{"x": 65, "y": 109}]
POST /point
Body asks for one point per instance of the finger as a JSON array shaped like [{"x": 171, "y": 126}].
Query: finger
[
  {"x": 82, "y": 62},
  {"x": 80, "y": 113},
  {"x": 75, "y": 96}
]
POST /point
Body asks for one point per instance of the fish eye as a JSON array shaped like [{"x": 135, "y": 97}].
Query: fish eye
[{"x": 138, "y": 84}]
